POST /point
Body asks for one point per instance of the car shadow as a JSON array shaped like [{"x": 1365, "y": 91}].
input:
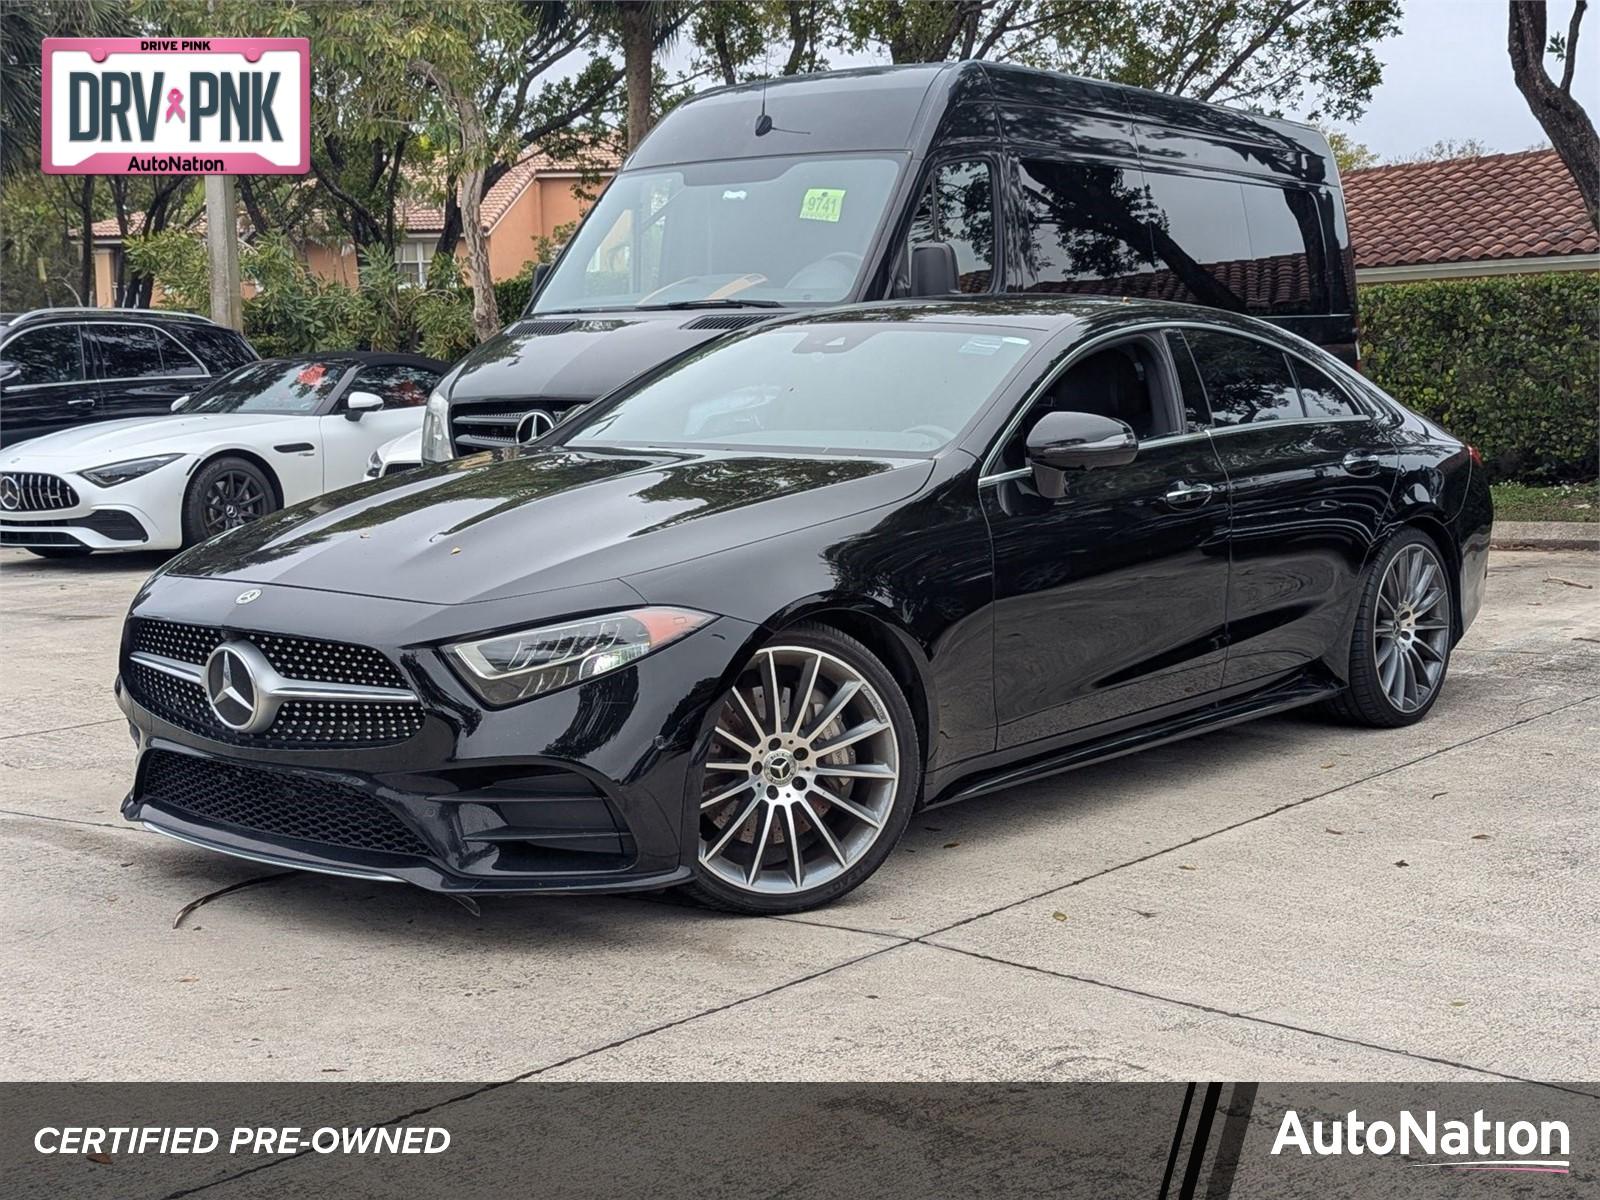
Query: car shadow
[{"x": 94, "y": 564}]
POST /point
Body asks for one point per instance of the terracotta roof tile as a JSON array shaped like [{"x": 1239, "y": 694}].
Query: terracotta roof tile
[{"x": 1467, "y": 210}]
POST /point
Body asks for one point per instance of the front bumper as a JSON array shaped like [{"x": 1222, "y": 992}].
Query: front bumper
[
  {"x": 130, "y": 516},
  {"x": 585, "y": 789}
]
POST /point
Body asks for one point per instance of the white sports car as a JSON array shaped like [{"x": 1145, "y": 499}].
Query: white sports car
[{"x": 271, "y": 433}]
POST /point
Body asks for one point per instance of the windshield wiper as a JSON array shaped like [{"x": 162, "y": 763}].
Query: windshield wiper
[{"x": 724, "y": 303}]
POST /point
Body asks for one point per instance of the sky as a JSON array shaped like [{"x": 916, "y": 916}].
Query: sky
[{"x": 1447, "y": 75}]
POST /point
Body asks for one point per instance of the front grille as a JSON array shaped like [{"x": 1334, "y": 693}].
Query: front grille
[
  {"x": 490, "y": 425},
  {"x": 29, "y": 491},
  {"x": 300, "y": 724},
  {"x": 271, "y": 802}
]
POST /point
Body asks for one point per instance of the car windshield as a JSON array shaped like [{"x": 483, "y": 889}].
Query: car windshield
[
  {"x": 836, "y": 387},
  {"x": 276, "y": 386},
  {"x": 764, "y": 230}
]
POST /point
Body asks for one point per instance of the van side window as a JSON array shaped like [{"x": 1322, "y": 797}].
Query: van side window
[
  {"x": 958, "y": 208},
  {"x": 1200, "y": 240},
  {"x": 1087, "y": 228},
  {"x": 1288, "y": 276},
  {"x": 1321, "y": 396},
  {"x": 1247, "y": 382}
]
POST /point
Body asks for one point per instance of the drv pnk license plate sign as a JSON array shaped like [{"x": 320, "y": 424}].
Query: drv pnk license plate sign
[{"x": 176, "y": 106}]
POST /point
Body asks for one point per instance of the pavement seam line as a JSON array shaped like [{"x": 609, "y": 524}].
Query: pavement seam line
[
  {"x": 1271, "y": 812},
  {"x": 11, "y": 737},
  {"x": 486, "y": 1088},
  {"x": 28, "y": 816},
  {"x": 1239, "y": 1016}
]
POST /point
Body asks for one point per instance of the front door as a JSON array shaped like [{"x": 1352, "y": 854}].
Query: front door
[
  {"x": 1111, "y": 601},
  {"x": 348, "y": 443},
  {"x": 47, "y": 391}
]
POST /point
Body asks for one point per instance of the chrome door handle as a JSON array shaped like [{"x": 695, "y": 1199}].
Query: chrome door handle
[
  {"x": 80, "y": 403},
  {"x": 1190, "y": 493},
  {"x": 1360, "y": 462}
]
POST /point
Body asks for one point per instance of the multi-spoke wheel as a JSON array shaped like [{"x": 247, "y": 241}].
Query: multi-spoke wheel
[
  {"x": 223, "y": 495},
  {"x": 1401, "y": 646},
  {"x": 809, "y": 777}
]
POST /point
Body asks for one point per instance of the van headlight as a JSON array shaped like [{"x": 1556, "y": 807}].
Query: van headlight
[
  {"x": 436, "y": 429},
  {"x": 525, "y": 663}
]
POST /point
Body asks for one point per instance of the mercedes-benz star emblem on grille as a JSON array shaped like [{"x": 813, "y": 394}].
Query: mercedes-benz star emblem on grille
[
  {"x": 246, "y": 596},
  {"x": 535, "y": 423},
  {"x": 233, "y": 688},
  {"x": 10, "y": 493}
]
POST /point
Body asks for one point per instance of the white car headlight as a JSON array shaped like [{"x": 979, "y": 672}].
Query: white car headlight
[
  {"x": 132, "y": 468},
  {"x": 436, "y": 429},
  {"x": 525, "y": 663}
]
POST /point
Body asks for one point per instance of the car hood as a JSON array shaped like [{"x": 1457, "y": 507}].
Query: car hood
[
  {"x": 108, "y": 441},
  {"x": 488, "y": 528},
  {"x": 582, "y": 356}
]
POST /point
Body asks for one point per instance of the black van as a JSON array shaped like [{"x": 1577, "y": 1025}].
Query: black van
[{"x": 966, "y": 179}]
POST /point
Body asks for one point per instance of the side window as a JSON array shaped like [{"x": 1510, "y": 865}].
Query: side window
[
  {"x": 49, "y": 355},
  {"x": 1199, "y": 240},
  {"x": 1126, "y": 382},
  {"x": 175, "y": 359},
  {"x": 1196, "y": 414},
  {"x": 1086, "y": 228},
  {"x": 1247, "y": 382},
  {"x": 958, "y": 208},
  {"x": 220, "y": 349},
  {"x": 1288, "y": 269},
  {"x": 126, "y": 351},
  {"x": 399, "y": 384},
  {"x": 1321, "y": 396}
]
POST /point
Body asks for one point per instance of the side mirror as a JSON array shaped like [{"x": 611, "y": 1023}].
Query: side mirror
[
  {"x": 1068, "y": 441},
  {"x": 540, "y": 272},
  {"x": 177, "y": 405},
  {"x": 358, "y": 403},
  {"x": 933, "y": 270}
]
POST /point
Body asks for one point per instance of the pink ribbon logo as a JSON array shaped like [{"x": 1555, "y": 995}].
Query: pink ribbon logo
[{"x": 175, "y": 105}]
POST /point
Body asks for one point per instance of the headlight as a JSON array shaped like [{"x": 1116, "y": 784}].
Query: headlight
[
  {"x": 374, "y": 465},
  {"x": 120, "y": 472},
  {"x": 436, "y": 429},
  {"x": 526, "y": 663}
]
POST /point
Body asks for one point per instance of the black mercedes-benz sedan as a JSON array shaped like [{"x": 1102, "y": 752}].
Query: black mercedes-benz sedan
[{"x": 729, "y": 626}]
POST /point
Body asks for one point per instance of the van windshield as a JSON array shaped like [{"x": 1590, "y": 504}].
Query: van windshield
[
  {"x": 862, "y": 387},
  {"x": 753, "y": 231}
]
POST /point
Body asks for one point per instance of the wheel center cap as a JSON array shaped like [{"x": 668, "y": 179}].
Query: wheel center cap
[{"x": 779, "y": 766}]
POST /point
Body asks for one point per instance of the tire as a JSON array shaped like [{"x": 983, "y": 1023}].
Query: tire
[
  {"x": 60, "y": 551},
  {"x": 847, "y": 823},
  {"x": 219, "y": 485},
  {"x": 1406, "y": 606}
]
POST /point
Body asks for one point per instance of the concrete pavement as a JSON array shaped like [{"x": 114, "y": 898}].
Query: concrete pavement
[{"x": 1288, "y": 900}]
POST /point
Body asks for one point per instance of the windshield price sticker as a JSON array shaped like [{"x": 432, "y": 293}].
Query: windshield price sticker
[
  {"x": 176, "y": 106},
  {"x": 822, "y": 204}
]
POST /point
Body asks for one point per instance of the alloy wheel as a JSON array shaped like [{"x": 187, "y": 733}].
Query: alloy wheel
[
  {"x": 233, "y": 498},
  {"x": 802, "y": 773},
  {"x": 1411, "y": 628}
]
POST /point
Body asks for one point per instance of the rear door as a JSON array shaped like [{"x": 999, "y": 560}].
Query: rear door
[
  {"x": 50, "y": 390},
  {"x": 139, "y": 369},
  {"x": 1311, "y": 471}
]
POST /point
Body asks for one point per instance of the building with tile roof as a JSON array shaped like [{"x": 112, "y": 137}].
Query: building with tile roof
[{"x": 1462, "y": 217}]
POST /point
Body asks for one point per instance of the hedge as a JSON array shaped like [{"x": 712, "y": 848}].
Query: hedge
[{"x": 1509, "y": 363}]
